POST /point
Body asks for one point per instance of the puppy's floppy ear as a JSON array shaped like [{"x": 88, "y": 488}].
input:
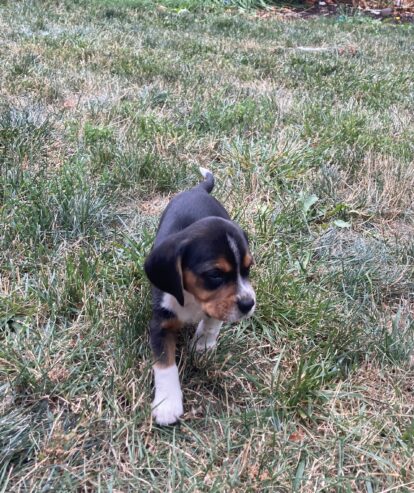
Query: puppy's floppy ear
[{"x": 163, "y": 267}]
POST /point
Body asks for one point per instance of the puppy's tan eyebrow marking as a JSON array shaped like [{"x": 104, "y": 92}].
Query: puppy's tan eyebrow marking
[
  {"x": 247, "y": 261},
  {"x": 223, "y": 264}
]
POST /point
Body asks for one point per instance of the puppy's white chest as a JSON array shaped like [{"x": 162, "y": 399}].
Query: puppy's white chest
[{"x": 190, "y": 313}]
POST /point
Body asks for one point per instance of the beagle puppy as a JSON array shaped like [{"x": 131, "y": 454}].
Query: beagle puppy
[{"x": 199, "y": 269}]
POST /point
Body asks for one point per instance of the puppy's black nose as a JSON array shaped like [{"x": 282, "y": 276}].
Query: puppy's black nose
[{"x": 245, "y": 305}]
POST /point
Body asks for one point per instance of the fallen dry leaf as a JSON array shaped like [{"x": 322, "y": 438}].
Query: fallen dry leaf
[
  {"x": 70, "y": 103},
  {"x": 297, "y": 436}
]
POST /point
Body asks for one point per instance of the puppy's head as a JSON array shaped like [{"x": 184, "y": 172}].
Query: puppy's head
[{"x": 211, "y": 260}]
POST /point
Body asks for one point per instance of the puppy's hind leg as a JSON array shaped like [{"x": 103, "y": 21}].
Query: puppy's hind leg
[
  {"x": 167, "y": 406},
  {"x": 206, "y": 334}
]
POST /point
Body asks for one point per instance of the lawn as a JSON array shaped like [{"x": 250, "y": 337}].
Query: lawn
[{"x": 107, "y": 108}]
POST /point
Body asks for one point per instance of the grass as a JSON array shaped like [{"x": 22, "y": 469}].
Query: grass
[{"x": 107, "y": 110}]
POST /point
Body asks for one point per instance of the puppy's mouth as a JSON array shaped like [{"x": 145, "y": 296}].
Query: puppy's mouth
[
  {"x": 240, "y": 316},
  {"x": 233, "y": 316}
]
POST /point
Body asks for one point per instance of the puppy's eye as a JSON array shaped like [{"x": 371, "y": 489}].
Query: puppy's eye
[
  {"x": 214, "y": 278},
  {"x": 214, "y": 274}
]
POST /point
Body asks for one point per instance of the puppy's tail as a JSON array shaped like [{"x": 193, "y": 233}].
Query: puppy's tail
[{"x": 208, "y": 183}]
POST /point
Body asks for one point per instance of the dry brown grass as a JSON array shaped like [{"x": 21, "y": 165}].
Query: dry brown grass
[{"x": 107, "y": 111}]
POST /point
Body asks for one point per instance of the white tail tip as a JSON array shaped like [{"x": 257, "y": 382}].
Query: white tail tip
[{"x": 205, "y": 172}]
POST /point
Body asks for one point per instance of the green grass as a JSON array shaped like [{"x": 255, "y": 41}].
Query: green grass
[{"x": 107, "y": 110}]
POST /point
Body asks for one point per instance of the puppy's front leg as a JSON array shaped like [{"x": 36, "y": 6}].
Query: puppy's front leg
[
  {"x": 206, "y": 334},
  {"x": 167, "y": 406}
]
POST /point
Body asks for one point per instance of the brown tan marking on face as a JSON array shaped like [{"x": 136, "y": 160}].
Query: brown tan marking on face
[
  {"x": 223, "y": 264},
  {"x": 247, "y": 260},
  {"x": 217, "y": 303}
]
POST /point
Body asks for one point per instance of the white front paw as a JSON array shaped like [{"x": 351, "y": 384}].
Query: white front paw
[
  {"x": 205, "y": 337},
  {"x": 203, "y": 344},
  {"x": 167, "y": 411},
  {"x": 168, "y": 402}
]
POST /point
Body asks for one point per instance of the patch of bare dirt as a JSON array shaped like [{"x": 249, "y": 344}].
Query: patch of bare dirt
[{"x": 400, "y": 11}]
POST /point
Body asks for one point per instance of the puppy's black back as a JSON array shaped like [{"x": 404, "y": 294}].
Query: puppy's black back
[{"x": 188, "y": 207}]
